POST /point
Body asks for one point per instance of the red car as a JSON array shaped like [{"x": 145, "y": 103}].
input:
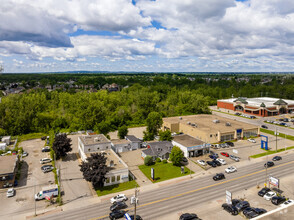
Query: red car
[{"x": 225, "y": 154}]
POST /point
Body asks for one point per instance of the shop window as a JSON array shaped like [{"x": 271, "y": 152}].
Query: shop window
[
  {"x": 107, "y": 180},
  {"x": 113, "y": 179},
  {"x": 118, "y": 178}
]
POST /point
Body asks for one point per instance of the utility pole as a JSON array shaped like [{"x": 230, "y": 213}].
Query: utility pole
[
  {"x": 285, "y": 142},
  {"x": 35, "y": 198},
  {"x": 276, "y": 140},
  {"x": 266, "y": 169},
  {"x": 136, "y": 191}
]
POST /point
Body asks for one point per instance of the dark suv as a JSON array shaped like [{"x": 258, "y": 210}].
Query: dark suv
[
  {"x": 269, "y": 164},
  {"x": 242, "y": 205},
  {"x": 277, "y": 200},
  {"x": 231, "y": 144},
  {"x": 189, "y": 216},
  {"x": 211, "y": 163},
  {"x": 263, "y": 191},
  {"x": 219, "y": 176},
  {"x": 230, "y": 209},
  {"x": 118, "y": 205}
]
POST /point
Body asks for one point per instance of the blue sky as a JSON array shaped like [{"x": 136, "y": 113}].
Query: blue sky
[{"x": 145, "y": 35}]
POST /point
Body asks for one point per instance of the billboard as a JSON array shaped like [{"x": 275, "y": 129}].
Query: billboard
[
  {"x": 274, "y": 181},
  {"x": 228, "y": 197},
  {"x": 152, "y": 173}
]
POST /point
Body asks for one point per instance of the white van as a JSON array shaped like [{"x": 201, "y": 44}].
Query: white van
[{"x": 45, "y": 160}]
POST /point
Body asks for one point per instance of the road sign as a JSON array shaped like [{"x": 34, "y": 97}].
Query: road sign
[
  {"x": 152, "y": 173},
  {"x": 134, "y": 200},
  {"x": 228, "y": 197},
  {"x": 235, "y": 151},
  {"x": 128, "y": 216},
  {"x": 274, "y": 181}
]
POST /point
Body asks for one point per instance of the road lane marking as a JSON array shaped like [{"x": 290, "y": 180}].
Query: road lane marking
[{"x": 205, "y": 187}]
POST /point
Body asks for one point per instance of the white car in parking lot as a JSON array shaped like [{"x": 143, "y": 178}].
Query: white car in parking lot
[
  {"x": 251, "y": 140},
  {"x": 119, "y": 198},
  {"x": 10, "y": 192},
  {"x": 231, "y": 169},
  {"x": 201, "y": 162},
  {"x": 45, "y": 160},
  {"x": 269, "y": 195},
  {"x": 222, "y": 161}
]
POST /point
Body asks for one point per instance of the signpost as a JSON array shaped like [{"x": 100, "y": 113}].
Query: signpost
[
  {"x": 152, "y": 174},
  {"x": 228, "y": 197},
  {"x": 274, "y": 181}
]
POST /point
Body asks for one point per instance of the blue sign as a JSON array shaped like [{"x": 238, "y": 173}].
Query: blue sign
[
  {"x": 239, "y": 130},
  {"x": 128, "y": 216}
]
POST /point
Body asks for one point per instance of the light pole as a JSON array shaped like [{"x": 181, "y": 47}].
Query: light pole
[
  {"x": 276, "y": 139},
  {"x": 34, "y": 197}
]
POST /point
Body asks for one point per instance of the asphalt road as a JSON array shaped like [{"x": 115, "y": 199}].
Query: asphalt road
[{"x": 174, "y": 198}]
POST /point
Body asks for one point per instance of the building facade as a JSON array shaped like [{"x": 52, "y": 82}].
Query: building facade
[
  {"x": 263, "y": 106},
  {"x": 8, "y": 169}
]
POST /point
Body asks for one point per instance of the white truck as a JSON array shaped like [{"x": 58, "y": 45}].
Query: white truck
[{"x": 47, "y": 191}]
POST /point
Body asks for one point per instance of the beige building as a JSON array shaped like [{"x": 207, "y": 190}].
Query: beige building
[{"x": 210, "y": 128}]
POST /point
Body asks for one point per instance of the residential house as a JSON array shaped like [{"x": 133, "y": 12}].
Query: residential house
[
  {"x": 158, "y": 149},
  {"x": 136, "y": 143}
]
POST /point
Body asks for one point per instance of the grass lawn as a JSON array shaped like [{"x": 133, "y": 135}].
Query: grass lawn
[
  {"x": 290, "y": 137},
  {"x": 116, "y": 188},
  {"x": 271, "y": 152},
  {"x": 163, "y": 171}
]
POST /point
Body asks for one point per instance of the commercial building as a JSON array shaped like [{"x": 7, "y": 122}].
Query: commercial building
[
  {"x": 121, "y": 145},
  {"x": 191, "y": 147},
  {"x": 8, "y": 169},
  {"x": 263, "y": 106},
  {"x": 210, "y": 128},
  {"x": 118, "y": 170}
]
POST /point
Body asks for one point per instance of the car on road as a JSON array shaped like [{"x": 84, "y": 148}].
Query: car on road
[
  {"x": 201, "y": 162},
  {"x": 231, "y": 144},
  {"x": 287, "y": 203},
  {"x": 269, "y": 164},
  {"x": 47, "y": 168},
  {"x": 119, "y": 198},
  {"x": 217, "y": 162},
  {"x": 116, "y": 214},
  {"x": 118, "y": 205},
  {"x": 276, "y": 158},
  {"x": 235, "y": 158},
  {"x": 46, "y": 149},
  {"x": 211, "y": 163},
  {"x": 225, "y": 154},
  {"x": 138, "y": 217},
  {"x": 10, "y": 192},
  {"x": 45, "y": 160},
  {"x": 188, "y": 216},
  {"x": 242, "y": 205},
  {"x": 230, "y": 209},
  {"x": 264, "y": 126},
  {"x": 277, "y": 200},
  {"x": 222, "y": 161},
  {"x": 263, "y": 191},
  {"x": 251, "y": 140},
  {"x": 231, "y": 169},
  {"x": 269, "y": 195},
  {"x": 218, "y": 176}
]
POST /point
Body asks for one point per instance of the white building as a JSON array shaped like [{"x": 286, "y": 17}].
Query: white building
[
  {"x": 6, "y": 139},
  {"x": 136, "y": 143},
  {"x": 119, "y": 171},
  {"x": 3, "y": 146},
  {"x": 121, "y": 145}
]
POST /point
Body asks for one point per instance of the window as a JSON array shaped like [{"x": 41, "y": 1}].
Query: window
[
  {"x": 106, "y": 147},
  {"x": 211, "y": 135},
  {"x": 107, "y": 180},
  {"x": 98, "y": 148},
  {"x": 113, "y": 179},
  {"x": 118, "y": 178},
  {"x": 89, "y": 149}
]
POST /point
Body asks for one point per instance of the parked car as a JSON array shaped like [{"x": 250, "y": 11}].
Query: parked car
[
  {"x": 235, "y": 158},
  {"x": 189, "y": 216},
  {"x": 47, "y": 168},
  {"x": 219, "y": 176},
  {"x": 45, "y": 160},
  {"x": 252, "y": 117},
  {"x": 264, "y": 126},
  {"x": 269, "y": 195},
  {"x": 231, "y": 144},
  {"x": 119, "y": 198},
  {"x": 276, "y": 158},
  {"x": 253, "y": 212},
  {"x": 222, "y": 161},
  {"x": 251, "y": 140},
  {"x": 277, "y": 200},
  {"x": 237, "y": 113},
  {"x": 43, "y": 138},
  {"x": 118, "y": 205},
  {"x": 138, "y": 217},
  {"x": 225, "y": 154},
  {"x": 185, "y": 160},
  {"x": 263, "y": 191},
  {"x": 46, "y": 149},
  {"x": 230, "y": 209},
  {"x": 211, "y": 163},
  {"x": 213, "y": 156},
  {"x": 10, "y": 192},
  {"x": 269, "y": 164},
  {"x": 116, "y": 214},
  {"x": 25, "y": 154},
  {"x": 217, "y": 162},
  {"x": 242, "y": 205},
  {"x": 231, "y": 169},
  {"x": 235, "y": 201},
  {"x": 201, "y": 162},
  {"x": 287, "y": 203}
]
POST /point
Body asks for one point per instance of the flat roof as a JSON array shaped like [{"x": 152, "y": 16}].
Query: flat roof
[
  {"x": 118, "y": 163},
  {"x": 187, "y": 140},
  {"x": 93, "y": 139},
  {"x": 256, "y": 102},
  {"x": 7, "y": 164},
  {"x": 120, "y": 141},
  {"x": 205, "y": 123}
]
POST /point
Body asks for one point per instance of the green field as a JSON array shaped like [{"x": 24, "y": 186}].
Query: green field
[
  {"x": 163, "y": 171},
  {"x": 116, "y": 188}
]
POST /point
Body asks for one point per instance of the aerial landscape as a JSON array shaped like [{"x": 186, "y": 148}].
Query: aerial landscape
[{"x": 146, "y": 109}]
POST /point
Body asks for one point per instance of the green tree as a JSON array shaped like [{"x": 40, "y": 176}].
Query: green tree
[
  {"x": 176, "y": 156},
  {"x": 165, "y": 135},
  {"x": 122, "y": 132},
  {"x": 154, "y": 122},
  {"x": 148, "y": 161},
  {"x": 61, "y": 145}
]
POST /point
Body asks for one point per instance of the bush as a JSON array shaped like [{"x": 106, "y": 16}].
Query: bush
[
  {"x": 158, "y": 160},
  {"x": 164, "y": 161},
  {"x": 148, "y": 161}
]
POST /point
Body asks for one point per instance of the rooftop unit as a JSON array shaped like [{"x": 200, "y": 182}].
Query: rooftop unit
[{"x": 216, "y": 121}]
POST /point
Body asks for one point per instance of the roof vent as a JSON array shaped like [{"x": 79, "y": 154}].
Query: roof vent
[
  {"x": 215, "y": 121},
  {"x": 188, "y": 123},
  {"x": 228, "y": 124}
]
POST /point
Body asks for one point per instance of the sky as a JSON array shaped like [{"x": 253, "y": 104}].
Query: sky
[{"x": 147, "y": 35}]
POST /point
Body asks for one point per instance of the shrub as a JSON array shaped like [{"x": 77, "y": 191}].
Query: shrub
[
  {"x": 158, "y": 160},
  {"x": 164, "y": 161},
  {"x": 148, "y": 161}
]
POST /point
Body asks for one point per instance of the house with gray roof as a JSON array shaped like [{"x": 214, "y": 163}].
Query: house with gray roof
[
  {"x": 136, "y": 143},
  {"x": 158, "y": 149}
]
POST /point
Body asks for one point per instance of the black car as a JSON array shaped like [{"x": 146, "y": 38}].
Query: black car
[
  {"x": 235, "y": 201},
  {"x": 248, "y": 210},
  {"x": 189, "y": 216},
  {"x": 242, "y": 205},
  {"x": 211, "y": 163},
  {"x": 277, "y": 200},
  {"x": 253, "y": 212},
  {"x": 231, "y": 144},
  {"x": 263, "y": 191},
  {"x": 269, "y": 164},
  {"x": 217, "y": 162},
  {"x": 117, "y": 214},
  {"x": 276, "y": 158},
  {"x": 219, "y": 176},
  {"x": 260, "y": 211},
  {"x": 118, "y": 205},
  {"x": 230, "y": 209},
  {"x": 138, "y": 217},
  {"x": 46, "y": 149},
  {"x": 185, "y": 160},
  {"x": 264, "y": 126}
]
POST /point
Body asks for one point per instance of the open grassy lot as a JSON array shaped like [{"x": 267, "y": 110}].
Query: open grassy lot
[
  {"x": 116, "y": 188},
  {"x": 163, "y": 171}
]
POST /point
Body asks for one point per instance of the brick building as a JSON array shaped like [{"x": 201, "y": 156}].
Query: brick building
[{"x": 263, "y": 106}]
